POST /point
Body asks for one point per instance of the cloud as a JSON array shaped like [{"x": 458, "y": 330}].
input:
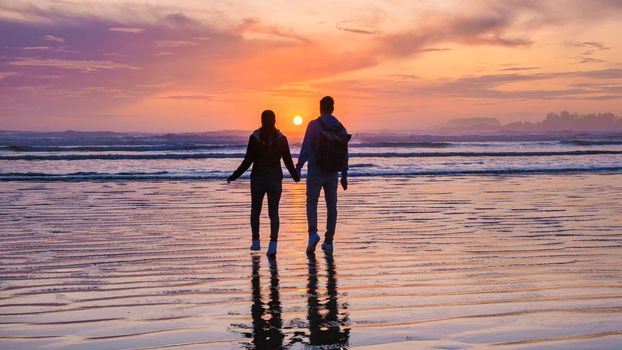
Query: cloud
[
  {"x": 587, "y": 59},
  {"x": 4, "y": 75},
  {"x": 356, "y": 30},
  {"x": 603, "y": 97},
  {"x": 80, "y": 65},
  {"x": 518, "y": 69},
  {"x": 590, "y": 48},
  {"x": 588, "y": 44},
  {"x": 132, "y": 30},
  {"x": 36, "y": 48},
  {"x": 435, "y": 49},
  {"x": 174, "y": 43},
  {"x": 487, "y": 88},
  {"x": 496, "y": 86},
  {"x": 46, "y": 48},
  {"x": 198, "y": 97},
  {"x": 405, "y": 76},
  {"x": 363, "y": 20},
  {"x": 253, "y": 29},
  {"x": 53, "y": 38},
  {"x": 480, "y": 29},
  {"x": 611, "y": 73}
]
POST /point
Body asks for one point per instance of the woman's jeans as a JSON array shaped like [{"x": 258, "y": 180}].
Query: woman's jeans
[{"x": 259, "y": 188}]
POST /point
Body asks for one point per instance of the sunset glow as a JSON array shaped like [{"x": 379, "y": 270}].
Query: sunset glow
[
  {"x": 185, "y": 66},
  {"x": 297, "y": 120}
]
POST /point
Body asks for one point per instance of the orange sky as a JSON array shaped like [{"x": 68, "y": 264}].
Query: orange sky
[{"x": 398, "y": 65}]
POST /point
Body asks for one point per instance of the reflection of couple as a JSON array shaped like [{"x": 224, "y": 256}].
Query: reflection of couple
[
  {"x": 327, "y": 326},
  {"x": 325, "y": 147}
]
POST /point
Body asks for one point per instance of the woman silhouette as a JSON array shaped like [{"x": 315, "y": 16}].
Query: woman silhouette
[{"x": 266, "y": 147}]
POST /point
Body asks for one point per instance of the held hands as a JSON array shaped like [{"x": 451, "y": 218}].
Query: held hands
[
  {"x": 344, "y": 182},
  {"x": 296, "y": 177},
  {"x": 297, "y": 174}
]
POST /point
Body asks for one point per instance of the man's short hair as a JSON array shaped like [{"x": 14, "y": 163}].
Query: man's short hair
[
  {"x": 268, "y": 117},
  {"x": 327, "y": 104}
]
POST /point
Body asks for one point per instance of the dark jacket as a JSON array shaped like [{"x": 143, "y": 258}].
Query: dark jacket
[{"x": 265, "y": 156}]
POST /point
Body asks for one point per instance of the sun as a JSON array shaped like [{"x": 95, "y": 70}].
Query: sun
[{"x": 297, "y": 120}]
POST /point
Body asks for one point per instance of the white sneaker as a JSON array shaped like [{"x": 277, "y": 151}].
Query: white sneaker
[
  {"x": 314, "y": 239},
  {"x": 255, "y": 246},
  {"x": 327, "y": 247},
  {"x": 271, "y": 249}
]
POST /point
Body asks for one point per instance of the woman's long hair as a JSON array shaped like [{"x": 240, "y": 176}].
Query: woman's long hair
[{"x": 268, "y": 129}]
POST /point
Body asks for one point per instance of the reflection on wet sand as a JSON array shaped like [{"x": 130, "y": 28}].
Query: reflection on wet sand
[
  {"x": 267, "y": 322},
  {"x": 328, "y": 328},
  {"x": 327, "y": 323}
]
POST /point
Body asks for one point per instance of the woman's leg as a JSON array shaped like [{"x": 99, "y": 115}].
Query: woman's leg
[
  {"x": 274, "y": 197},
  {"x": 258, "y": 191}
]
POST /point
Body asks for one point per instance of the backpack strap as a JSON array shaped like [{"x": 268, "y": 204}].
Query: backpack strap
[{"x": 322, "y": 124}]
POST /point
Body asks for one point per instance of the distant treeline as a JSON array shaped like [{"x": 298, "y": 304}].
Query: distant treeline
[
  {"x": 558, "y": 122},
  {"x": 571, "y": 121}
]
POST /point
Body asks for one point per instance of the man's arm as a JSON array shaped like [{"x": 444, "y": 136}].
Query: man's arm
[
  {"x": 305, "y": 149},
  {"x": 249, "y": 157},
  {"x": 287, "y": 159},
  {"x": 344, "y": 171}
]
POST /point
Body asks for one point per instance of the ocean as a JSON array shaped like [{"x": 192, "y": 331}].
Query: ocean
[{"x": 74, "y": 156}]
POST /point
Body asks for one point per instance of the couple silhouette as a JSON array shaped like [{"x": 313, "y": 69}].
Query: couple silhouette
[{"x": 324, "y": 148}]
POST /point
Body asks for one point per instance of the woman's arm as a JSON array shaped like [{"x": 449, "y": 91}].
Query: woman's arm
[
  {"x": 249, "y": 157},
  {"x": 287, "y": 159}
]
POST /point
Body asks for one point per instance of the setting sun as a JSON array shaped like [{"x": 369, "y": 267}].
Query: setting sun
[{"x": 297, "y": 120}]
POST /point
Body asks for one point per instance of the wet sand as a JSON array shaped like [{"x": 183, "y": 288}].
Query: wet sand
[{"x": 472, "y": 262}]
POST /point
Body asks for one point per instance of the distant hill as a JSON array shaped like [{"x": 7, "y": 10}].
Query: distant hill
[
  {"x": 472, "y": 124},
  {"x": 556, "y": 122},
  {"x": 566, "y": 121}
]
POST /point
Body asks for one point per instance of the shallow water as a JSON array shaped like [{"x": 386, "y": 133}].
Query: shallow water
[{"x": 503, "y": 262}]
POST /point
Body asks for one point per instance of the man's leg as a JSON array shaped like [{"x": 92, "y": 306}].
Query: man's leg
[
  {"x": 274, "y": 197},
  {"x": 257, "y": 193},
  {"x": 330, "y": 195},
  {"x": 313, "y": 193}
]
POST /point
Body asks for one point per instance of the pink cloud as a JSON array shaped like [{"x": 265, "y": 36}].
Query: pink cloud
[
  {"x": 80, "y": 65},
  {"x": 53, "y": 38},
  {"x": 131, "y": 30}
]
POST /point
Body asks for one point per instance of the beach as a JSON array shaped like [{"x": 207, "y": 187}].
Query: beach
[{"x": 519, "y": 261}]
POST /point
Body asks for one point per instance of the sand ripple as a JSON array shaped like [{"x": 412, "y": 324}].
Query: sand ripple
[{"x": 430, "y": 262}]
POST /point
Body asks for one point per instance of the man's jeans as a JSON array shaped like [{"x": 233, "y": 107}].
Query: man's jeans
[
  {"x": 259, "y": 188},
  {"x": 328, "y": 182}
]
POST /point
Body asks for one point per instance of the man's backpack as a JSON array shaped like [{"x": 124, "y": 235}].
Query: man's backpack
[{"x": 332, "y": 152}]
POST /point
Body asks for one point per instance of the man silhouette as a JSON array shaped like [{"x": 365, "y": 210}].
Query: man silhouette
[{"x": 322, "y": 173}]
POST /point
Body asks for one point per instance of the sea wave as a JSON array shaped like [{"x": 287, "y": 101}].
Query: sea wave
[
  {"x": 164, "y": 175},
  {"x": 579, "y": 142},
  {"x": 116, "y": 148},
  {"x": 192, "y": 147},
  {"x": 204, "y": 146},
  {"x": 104, "y": 156},
  {"x": 387, "y": 144}
]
